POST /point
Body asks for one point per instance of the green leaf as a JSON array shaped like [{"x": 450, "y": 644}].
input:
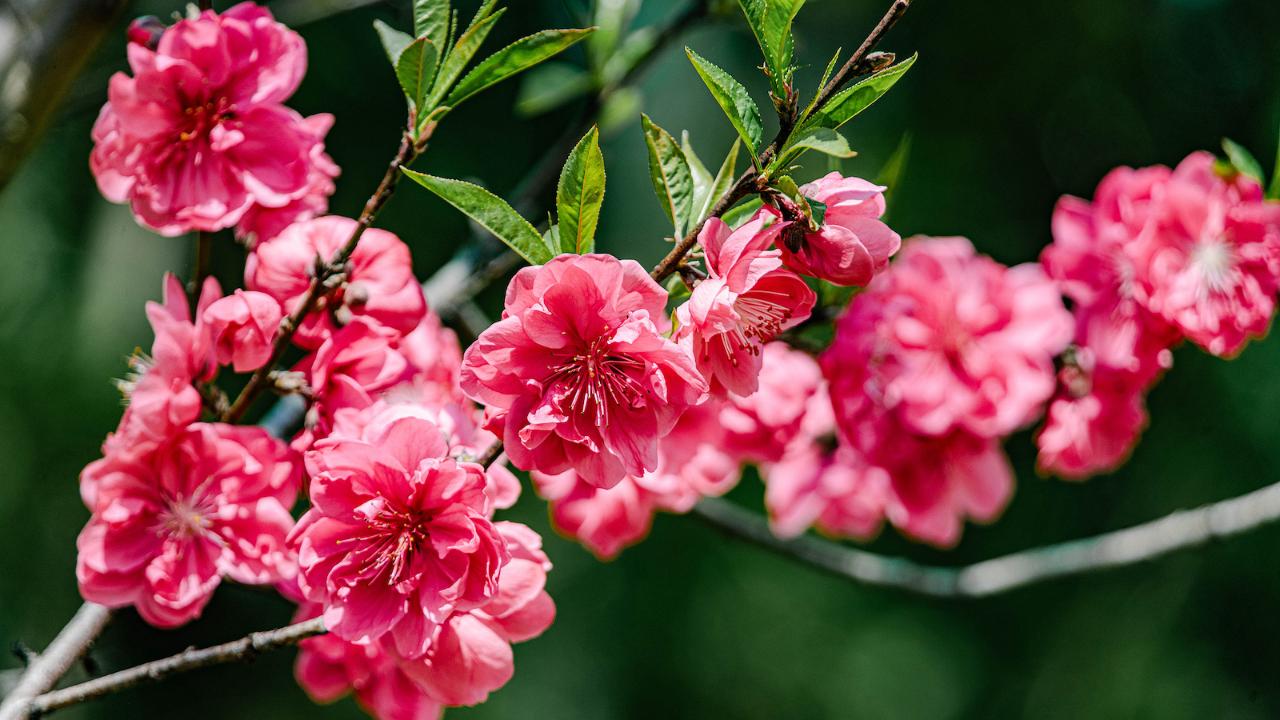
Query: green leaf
[
  {"x": 414, "y": 70},
  {"x": 431, "y": 20},
  {"x": 826, "y": 75},
  {"x": 460, "y": 55},
  {"x": 770, "y": 22},
  {"x": 551, "y": 238},
  {"x": 742, "y": 212},
  {"x": 824, "y": 140},
  {"x": 514, "y": 58},
  {"x": 621, "y": 109},
  {"x": 491, "y": 212},
  {"x": 1243, "y": 160},
  {"x": 580, "y": 194},
  {"x": 633, "y": 49},
  {"x": 549, "y": 86},
  {"x": 847, "y": 103},
  {"x": 817, "y": 211},
  {"x": 720, "y": 184},
  {"x": 697, "y": 170},
  {"x": 393, "y": 41},
  {"x": 733, "y": 99},
  {"x": 895, "y": 167},
  {"x": 669, "y": 171},
  {"x": 612, "y": 18},
  {"x": 483, "y": 12}
]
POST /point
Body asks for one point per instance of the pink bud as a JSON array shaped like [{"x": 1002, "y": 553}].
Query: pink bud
[{"x": 241, "y": 329}]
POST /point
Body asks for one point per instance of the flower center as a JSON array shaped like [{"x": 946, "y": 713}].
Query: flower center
[
  {"x": 761, "y": 316},
  {"x": 1215, "y": 263},
  {"x": 187, "y": 517},
  {"x": 394, "y": 536},
  {"x": 597, "y": 378},
  {"x": 199, "y": 120}
]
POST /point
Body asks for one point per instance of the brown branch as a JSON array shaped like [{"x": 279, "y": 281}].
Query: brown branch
[
  {"x": 853, "y": 66},
  {"x": 740, "y": 189},
  {"x": 242, "y": 650},
  {"x": 327, "y": 276},
  {"x": 49, "y": 666}
]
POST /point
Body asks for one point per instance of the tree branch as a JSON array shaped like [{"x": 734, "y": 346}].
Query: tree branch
[
  {"x": 48, "y": 667},
  {"x": 325, "y": 275},
  {"x": 740, "y": 189},
  {"x": 242, "y": 650},
  {"x": 1178, "y": 531},
  {"x": 851, "y": 68}
]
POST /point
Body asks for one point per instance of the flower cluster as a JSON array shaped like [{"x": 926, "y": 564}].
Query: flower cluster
[
  {"x": 1158, "y": 256},
  {"x": 199, "y": 139}
]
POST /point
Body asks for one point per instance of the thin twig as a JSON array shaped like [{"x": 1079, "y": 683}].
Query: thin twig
[
  {"x": 740, "y": 189},
  {"x": 242, "y": 650},
  {"x": 850, "y": 69},
  {"x": 203, "y": 262},
  {"x": 325, "y": 275},
  {"x": 49, "y": 666},
  {"x": 1177, "y": 531}
]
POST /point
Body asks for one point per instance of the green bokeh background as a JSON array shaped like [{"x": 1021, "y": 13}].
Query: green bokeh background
[{"x": 1010, "y": 106}]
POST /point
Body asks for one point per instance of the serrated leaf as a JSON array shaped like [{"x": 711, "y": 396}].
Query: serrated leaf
[
  {"x": 549, "y": 86},
  {"x": 431, "y": 20},
  {"x": 770, "y": 22},
  {"x": 1242, "y": 160},
  {"x": 483, "y": 12},
  {"x": 826, "y": 76},
  {"x": 580, "y": 195},
  {"x": 847, "y": 103},
  {"x": 824, "y": 140},
  {"x": 733, "y": 99},
  {"x": 393, "y": 41},
  {"x": 670, "y": 174},
  {"x": 720, "y": 184},
  {"x": 414, "y": 70},
  {"x": 491, "y": 212},
  {"x": 551, "y": 238},
  {"x": 460, "y": 55},
  {"x": 514, "y": 58}
]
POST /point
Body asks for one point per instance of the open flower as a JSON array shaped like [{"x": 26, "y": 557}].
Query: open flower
[
  {"x": 379, "y": 287},
  {"x": 761, "y": 426},
  {"x": 263, "y": 223},
  {"x": 853, "y": 244},
  {"x": 398, "y": 536},
  {"x": 1094, "y": 421},
  {"x": 747, "y": 301},
  {"x": 578, "y": 375},
  {"x": 171, "y": 519},
  {"x": 198, "y": 136},
  {"x": 1207, "y": 260}
]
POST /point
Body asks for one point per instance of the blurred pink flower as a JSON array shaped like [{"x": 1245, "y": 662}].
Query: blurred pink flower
[
  {"x": 1207, "y": 260},
  {"x": 380, "y": 285},
  {"x": 170, "y": 519},
  {"x": 693, "y": 465},
  {"x": 747, "y": 300},
  {"x": 578, "y": 375},
  {"x": 759, "y": 427},
  {"x": 349, "y": 371},
  {"x": 853, "y": 244},
  {"x": 1094, "y": 421},
  {"x": 398, "y": 536},
  {"x": 263, "y": 223},
  {"x": 948, "y": 339},
  {"x": 240, "y": 329},
  {"x": 198, "y": 136}
]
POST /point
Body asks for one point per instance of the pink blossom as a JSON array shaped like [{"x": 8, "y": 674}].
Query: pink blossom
[
  {"x": 1095, "y": 420},
  {"x": 435, "y": 356},
  {"x": 578, "y": 375},
  {"x": 198, "y": 136},
  {"x": 349, "y": 370},
  {"x": 693, "y": 465},
  {"x": 747, "y": 300},
  {"x": 398, "y": 536},
  {"x": 948, "y": 340},
  {"x": 833, "y": 489},
  {"x": 759, "y": 427},
  {"x": 380, "y": 284},
  {"x": 1206, "y": 261},
  {"x": 853, "y": 244},
  {"x": 170, "y": 519},
  {"x": 161, "y": 396},
  {"x": 263, "y": 223},
  {"x": 240, "y": 329}
]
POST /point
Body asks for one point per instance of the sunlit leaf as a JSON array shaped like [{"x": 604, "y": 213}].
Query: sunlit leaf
[
  {"x": 580, "y": 195},
  {"x": 847, "y": 103},
  {"x": 733, "y": 99},
  {"x": 514, "y": 58},
  {"x": 670, "y": 174},
  {"x": 490, "y": 212}
]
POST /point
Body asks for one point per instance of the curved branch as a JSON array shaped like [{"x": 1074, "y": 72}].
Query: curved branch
[
  {"x": 49, "y": 666},
  {"x": 242, "y": 650},
  {"x": 1150, "y": 540}
]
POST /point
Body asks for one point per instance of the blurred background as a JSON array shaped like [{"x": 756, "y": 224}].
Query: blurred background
[{"x": 1010, "y": 106}]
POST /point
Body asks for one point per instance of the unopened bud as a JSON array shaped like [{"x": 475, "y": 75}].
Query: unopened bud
[{"x": 146, "y": 31}]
